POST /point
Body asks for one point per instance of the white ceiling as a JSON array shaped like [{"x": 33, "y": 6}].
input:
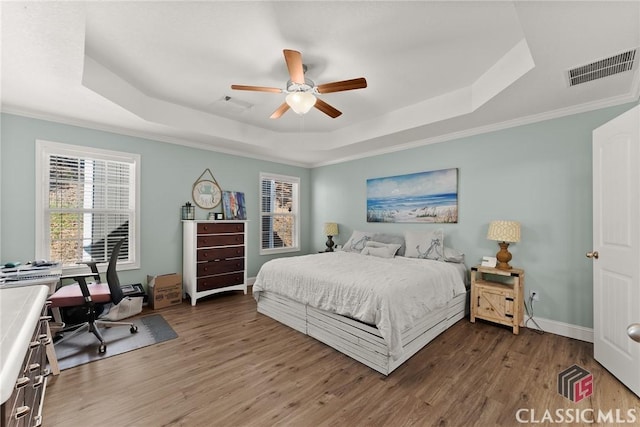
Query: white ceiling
[{"x": 435, "y": 70}]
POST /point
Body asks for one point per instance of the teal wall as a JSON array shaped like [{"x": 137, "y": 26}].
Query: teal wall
[
  {"x": 168, "y": 172},
  {"x": 538, "y": 174}
]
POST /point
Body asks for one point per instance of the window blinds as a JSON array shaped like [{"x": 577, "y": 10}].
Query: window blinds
[{"x": 90, "y": 207}]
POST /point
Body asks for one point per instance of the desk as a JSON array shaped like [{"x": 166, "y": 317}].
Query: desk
[
  {"x": 41, "y": 277},
  {"x": 23, "y": 373}
]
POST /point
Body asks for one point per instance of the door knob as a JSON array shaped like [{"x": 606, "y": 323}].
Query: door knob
[
  {"x": 634, "y": 331},
  {"x": 593, "y": 254}
]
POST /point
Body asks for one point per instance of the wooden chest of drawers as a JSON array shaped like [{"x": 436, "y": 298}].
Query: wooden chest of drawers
[{"x": 214, "y": 257}]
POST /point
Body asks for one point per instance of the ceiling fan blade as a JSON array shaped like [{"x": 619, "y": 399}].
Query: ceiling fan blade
[
  {"x": 294, "y": 64},
  {"x": 257, "y": 88},
  {"x": 280, "y": 111},
  {"x": 327, "y": 109},
  {"x": 359, "y": 83}
]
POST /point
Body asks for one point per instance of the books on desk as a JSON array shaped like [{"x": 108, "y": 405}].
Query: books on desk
[
  {"x": 29, "y": 272},
  {"x": 29, "y": 275}
]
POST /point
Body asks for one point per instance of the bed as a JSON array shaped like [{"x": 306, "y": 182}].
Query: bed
[{"x": 377, "y": 310}]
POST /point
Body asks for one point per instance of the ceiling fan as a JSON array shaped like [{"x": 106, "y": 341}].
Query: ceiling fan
[{"x": 302, "y": 92}]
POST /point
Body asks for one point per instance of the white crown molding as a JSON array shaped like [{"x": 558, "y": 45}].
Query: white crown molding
[
  {"x": 577, "y": 109},
  {"x": 521, "y": 121},
  {"x": 145, "y": 135}
]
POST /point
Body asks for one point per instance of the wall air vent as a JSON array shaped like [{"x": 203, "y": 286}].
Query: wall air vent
[{"x": 602, "y": 68}]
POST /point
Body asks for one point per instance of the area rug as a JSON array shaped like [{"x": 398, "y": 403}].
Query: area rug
[{"x": 83, "y": 348}]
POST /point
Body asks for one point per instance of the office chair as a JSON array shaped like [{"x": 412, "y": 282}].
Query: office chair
[{"x": 87, "y": 295}]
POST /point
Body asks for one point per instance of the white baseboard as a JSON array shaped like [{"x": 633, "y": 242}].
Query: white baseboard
[
  {"x": 251, "y": 281},
  {"x": 559, "y": 328}
]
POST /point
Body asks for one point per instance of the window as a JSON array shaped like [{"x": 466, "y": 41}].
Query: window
[
  {"x": 279, "y": 218},
  {"x": 86, "y": 201}
]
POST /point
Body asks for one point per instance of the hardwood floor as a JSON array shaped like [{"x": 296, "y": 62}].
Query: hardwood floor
[{"x": 231, "y": 366}]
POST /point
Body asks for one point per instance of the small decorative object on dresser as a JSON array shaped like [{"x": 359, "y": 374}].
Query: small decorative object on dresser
[
  {"x": 214, "y": 257},
  {"x": 188, "y": 211},
  {"x": 499, "y": 300},
  {"x": 233, "y": 204}
]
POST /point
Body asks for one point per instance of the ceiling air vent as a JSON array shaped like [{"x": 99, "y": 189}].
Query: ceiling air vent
[
  {"x": 229, "y": 104},
  {"x": 602, "y": 68}
]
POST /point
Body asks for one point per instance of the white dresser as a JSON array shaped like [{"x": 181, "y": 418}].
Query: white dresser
[
  {"x": 23, "y": 362},
  {"x": 214, "y": 257}
]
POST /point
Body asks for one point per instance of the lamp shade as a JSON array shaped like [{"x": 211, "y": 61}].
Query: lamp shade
[
  {"x": 300, "y": 102},
  {"x": 330, "y": 229},
  {"x": 504, "y": 231}
]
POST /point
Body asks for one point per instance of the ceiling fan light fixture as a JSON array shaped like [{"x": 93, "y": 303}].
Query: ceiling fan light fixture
[{"x": 301, "y": 102}]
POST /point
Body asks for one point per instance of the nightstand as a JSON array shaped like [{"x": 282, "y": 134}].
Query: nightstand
[{"x": 498, "y": 296}]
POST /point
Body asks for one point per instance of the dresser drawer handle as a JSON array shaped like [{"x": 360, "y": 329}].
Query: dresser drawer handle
[
  {"x": 21, "y": 382},
  {"x": 21, "y": 411},
  {"x": 34, "y": 344},
  {"x": 34, "y": 367},
  {"x": 39, "y": 381},
  {"x": 47, "y": 318}
]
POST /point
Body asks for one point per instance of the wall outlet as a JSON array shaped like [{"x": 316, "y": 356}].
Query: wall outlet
[{"x": 534, "y": 295}]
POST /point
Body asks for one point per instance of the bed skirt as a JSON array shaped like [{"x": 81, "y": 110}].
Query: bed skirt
[{"x": 358, "y": 340}]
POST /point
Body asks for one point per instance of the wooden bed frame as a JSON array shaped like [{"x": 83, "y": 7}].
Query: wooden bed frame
[{"x": 358, "y": 340}]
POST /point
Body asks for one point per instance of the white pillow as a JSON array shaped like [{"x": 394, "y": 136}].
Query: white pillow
[
  {"x": 357, "y": 241},
  {"x": 425, "y": 244},
  {"x": 381, "y": 250}
]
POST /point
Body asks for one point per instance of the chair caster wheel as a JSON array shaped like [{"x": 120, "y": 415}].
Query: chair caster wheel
[
  {"x": 102, "y": 349},
  {"x": 134, "y": 329}
]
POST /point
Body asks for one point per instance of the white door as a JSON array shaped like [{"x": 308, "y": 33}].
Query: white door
[{"x": 616, "y": 245}]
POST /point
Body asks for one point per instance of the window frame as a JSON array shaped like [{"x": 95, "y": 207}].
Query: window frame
[
  {"x": 295, "y": 181},
  {"x": 45, "y": 149}
]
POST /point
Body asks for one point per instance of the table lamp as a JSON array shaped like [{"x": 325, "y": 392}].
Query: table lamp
[
  {"x": 330, "y": 230},
  {"x": 504, "y": 232}
]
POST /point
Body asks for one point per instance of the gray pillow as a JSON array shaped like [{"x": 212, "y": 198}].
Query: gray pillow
[
  {"x": 391, "y": 238},
  {"x": 453, "y": 255}
]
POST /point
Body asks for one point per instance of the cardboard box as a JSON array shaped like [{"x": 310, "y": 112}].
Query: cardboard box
[{"x": 164, "y": 290}]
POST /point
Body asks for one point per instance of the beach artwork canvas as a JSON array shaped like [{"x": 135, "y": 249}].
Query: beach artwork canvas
[
  {"x": 233, "y": 204},
  {"x": 425, "y": 197}
]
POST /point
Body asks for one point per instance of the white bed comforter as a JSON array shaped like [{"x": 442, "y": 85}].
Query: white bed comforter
[{"x": 390, "y": 293}]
